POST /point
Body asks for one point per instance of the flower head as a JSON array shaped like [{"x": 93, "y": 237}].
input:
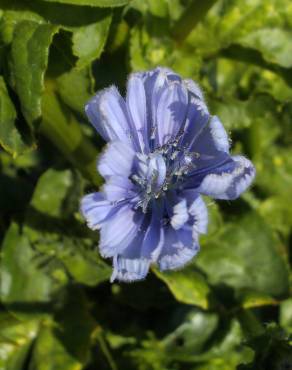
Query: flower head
[{"x": 164, "y": 150}]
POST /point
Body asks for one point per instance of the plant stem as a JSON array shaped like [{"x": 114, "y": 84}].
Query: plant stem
[{"x": 193, "y": 14}]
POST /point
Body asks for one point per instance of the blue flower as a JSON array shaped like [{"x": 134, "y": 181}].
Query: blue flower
[{"x": 164, "y": 150}]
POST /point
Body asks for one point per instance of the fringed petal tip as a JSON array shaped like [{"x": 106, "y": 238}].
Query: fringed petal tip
[
  {"x": 219, "y": 135},
  {"x": 199, "y": 211},
  {"x": 178, "y": 260},
  {"x": 229, "y": 185},
  {"x": 95, "y": 209},
  {"x": 129, "y": 270}
]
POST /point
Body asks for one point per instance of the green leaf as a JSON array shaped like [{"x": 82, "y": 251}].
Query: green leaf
[
  {"x": 183, "y": 341},
  {"x": 250, "y": 299},
  {"x": 29, "y": 59},
  {"x": 83, "y": 264},
  {"x": 98, "y": 3},
  {"x": 89, "y": 41},
  {"x": 61, "y": 127},
  {"x": 23, "y": 282},
  {"x": 12, "y": 17},
  {"x": 10, "y": 138},
  {"x": 187, "y": 286},
  {"x": 45, "y": 198},
  {"x": 65, "y": 342},
  {"x": 48, "y": 221},
  {"x": 273, "y": 43},
  {"x": 246, "y": 255},
  {"x": 16, "y": 338},
  {"x": 286, "y": 315},
  {"x": 274, "y": 166},
  {"x": 79, "y": 81},
  {"x": 277, "y": 212}
]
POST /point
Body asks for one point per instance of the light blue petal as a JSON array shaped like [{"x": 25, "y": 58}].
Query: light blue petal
[
  {"x": 116, "y": 160},
  {"x": 155, "y": 82},
  {"x": 125, "y": 269},
  {"x": 229, "y": 184},
  {"x": 180, "y": 214},
  {"x": 195, "y": 123},
  {"x": 199, "y": 213},
  {"x": 108, "y": 113},
  {"x": 171, "y": 112},
  {"x": 136, "y": 104},
  {"x": 194, "y": 88},
  {"x": 154, "y": 238},
  {"x": 118, "y": 188},
  {"x": 219, "y": 134},
  {"x": 96, "y": 209},
  {"x": 120, "y": 230}
]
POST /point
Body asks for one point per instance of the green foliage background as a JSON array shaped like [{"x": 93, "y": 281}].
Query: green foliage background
[{"x": 230, "y": 308}]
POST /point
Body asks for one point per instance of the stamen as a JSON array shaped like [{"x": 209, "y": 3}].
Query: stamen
[{"x": 178, "y": 162}]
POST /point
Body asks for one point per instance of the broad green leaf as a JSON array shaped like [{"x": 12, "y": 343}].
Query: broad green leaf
[
  {"x": 29, "y": 59},
  {"x": 273, "y": 43},
  {"x": 50, "y": 220},
  {"x": 277, "y": 212},
  {"x": 250, "y": 299},
  {"x": 286, "y": 315},
  {"x": 274, "y": 166},
  {"x": 148, "y": 52},
  {"x": 232, "y": 112},
  {"x": 273, "y": 84},
  {"x": 83, "y": 264},
  {"x": 46, "y": 199},
  {"x": 227, "y": 349},
  {"x": 246, "y": 255},
  {"x": 61, "y": 127},
  {"x": 183, "y": 341},
  {"x": 80, "y": 81},
  {"x": 12, "y": 17},
  {"x": 16, "y": 339},
  {"x": 89, "y": 41},
  {"x": 187, "y": 286},
  {"x": 65, "y": 343},
  {"x": 98, "y": 3},
  {"x": 50, "y": 353},
  {"x": 196, "y": 342},
  {"x": 240, "y": 114},
  {"x": 23, "y": 282},
  {"x": 10, "y": 138}
]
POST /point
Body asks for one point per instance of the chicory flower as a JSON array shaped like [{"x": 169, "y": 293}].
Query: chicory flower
[{"x": 164, "y": 150}]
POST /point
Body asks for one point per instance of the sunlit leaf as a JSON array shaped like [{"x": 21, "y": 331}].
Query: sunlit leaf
[
  {"x": 246, "y": 255},
  {"x": 188, "y": 286},
  {"x": 29, "y": 55},
  {"x": 89, "y": 41},
  {"x": 98, "y": 3}
]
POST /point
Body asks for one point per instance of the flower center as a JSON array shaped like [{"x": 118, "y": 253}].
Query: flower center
[{"x": 161, "y": 171}]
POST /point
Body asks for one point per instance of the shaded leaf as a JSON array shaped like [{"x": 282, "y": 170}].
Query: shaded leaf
[
  {"x": 22, "y": 279},
  {"x": 10, "y": 138},
  {"x": 65, "y": 342}
]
